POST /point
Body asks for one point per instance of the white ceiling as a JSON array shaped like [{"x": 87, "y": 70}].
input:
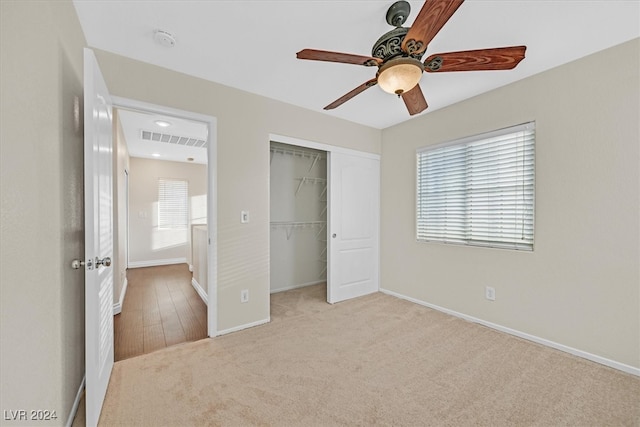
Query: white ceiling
[
  {"x": 251, "y": 45},
  {"x": 163, "y": 148}
]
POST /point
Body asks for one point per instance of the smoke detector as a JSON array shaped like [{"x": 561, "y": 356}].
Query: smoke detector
[{"x": 164, "y": 38}]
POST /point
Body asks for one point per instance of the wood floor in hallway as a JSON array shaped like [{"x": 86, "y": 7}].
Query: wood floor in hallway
[{"x": 160, "y": 309}]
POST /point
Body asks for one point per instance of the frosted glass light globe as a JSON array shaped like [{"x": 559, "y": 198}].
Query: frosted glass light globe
[{"x": 400, "y": 75}]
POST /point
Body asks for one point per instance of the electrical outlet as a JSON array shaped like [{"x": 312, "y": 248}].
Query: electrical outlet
[
  {"x": 244, "y": 295},
  {"x": 244, "y": 217},
  {"x": 490, "y": 293}
]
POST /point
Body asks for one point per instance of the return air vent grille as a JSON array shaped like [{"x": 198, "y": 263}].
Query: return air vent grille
[{"x": 173, "y": 139}]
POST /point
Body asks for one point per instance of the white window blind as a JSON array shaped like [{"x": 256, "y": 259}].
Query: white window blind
[
  {"x": 479, "y": 190},
  {"x": 172, "y": 204}
]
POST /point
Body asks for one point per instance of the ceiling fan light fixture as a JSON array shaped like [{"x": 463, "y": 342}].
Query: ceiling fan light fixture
[{"x": 400, "y": 75}]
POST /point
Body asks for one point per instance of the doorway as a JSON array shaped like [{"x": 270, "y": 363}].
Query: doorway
[{"x": 171, "y": 230}]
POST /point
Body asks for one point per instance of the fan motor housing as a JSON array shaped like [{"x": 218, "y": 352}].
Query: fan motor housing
[{"x": 389, "y": 44}]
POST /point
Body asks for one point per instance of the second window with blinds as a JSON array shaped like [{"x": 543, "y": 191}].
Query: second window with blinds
[
  {"x": 173, "y": 209},
  {"x": 478, "y": 190}
]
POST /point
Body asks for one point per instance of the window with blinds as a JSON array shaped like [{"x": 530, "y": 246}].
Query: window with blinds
[
  {"x": 479, "y": 190},
  {"x": 172, "y": 204}
]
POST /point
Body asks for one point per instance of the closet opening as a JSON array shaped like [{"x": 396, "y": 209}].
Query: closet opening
[{"x": 298, "y": 220}]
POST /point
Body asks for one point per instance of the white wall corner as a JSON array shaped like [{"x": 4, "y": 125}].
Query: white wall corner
[
  {"x": 76, "y": 403},
  {"x": 583, "y": 354},
  {"x": 302, "y": 285},
  {"x": 200, "y": 291},
  {"x": 117, "y": 307}
]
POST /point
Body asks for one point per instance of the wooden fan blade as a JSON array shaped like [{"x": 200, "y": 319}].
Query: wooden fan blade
[
  {"x": 414, "y": 100},
  {"x": 347, "y": 96},
  {"x": 501, "y": 58},
  {"x": 432, "y": 17},
  {"x": 345, "y": 58}
]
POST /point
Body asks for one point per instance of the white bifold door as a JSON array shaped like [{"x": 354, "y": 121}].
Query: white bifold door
[
  {"x": 98, "y": 182},
  {"x": 353, "y": 233}
]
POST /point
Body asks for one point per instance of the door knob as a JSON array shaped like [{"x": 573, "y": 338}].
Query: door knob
[{"x": 106, "y": 261}]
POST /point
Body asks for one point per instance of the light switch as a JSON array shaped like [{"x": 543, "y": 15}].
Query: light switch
[{"x": 244, "y": 217}]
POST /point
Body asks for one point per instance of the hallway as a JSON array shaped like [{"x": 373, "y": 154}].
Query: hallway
[{"x": 160, "y": 309}]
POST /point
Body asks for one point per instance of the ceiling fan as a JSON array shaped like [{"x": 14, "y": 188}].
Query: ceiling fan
[{"x": 398, "y": 54}]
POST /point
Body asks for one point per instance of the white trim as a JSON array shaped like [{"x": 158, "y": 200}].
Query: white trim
[
  {"x": 319, "y": 146},
  {"x": 212, "y": 193},
  {"x": 199, "y": 290},
  {"x": 583, "y": 354},
  {"x": 245, "y": 326},
  {"x": 117, "y": 307},
  {"x": 212, "y": 227},
  {"x": 157, "y": 262},
  {"x": 303, "y": 285},
  {"x": 158, "y": 109},
  {"x": 76, "y": 403}
]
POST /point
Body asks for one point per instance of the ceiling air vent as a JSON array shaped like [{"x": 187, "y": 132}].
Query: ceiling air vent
[{"x": 173, "y": 139}]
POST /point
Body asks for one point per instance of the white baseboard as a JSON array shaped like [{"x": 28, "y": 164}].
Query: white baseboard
[
  {"x": 199, "y": 290},
  {"x": 117, "y": 307},
  {"x": 245, "y": 326},
  {"x": 594, "y": 358},
  {"x": 76, "y": 403},
  {"x": 288, "y": 288},
  {"x": 157, "y": 262}
]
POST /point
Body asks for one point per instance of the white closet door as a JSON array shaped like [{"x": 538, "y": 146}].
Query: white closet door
[{"x": 353, "y": 234}]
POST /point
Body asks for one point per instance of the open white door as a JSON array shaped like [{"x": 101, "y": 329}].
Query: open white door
[
  {"x": 353, "y": 238},
  {"x": 98, "y": 182}
]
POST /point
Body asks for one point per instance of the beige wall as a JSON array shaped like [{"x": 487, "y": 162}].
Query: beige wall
[
  {"x": 581, "y": 285},
  {"x": 147, "y": 244},
  {"x": 244, "y": 122},
  {"x": 42, "y": 298}
]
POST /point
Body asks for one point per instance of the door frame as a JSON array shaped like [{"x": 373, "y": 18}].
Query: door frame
[
  {"x": 329, "y": 149},
  {"x": 212, "y": 194}
]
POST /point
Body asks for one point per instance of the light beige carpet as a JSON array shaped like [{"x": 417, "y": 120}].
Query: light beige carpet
[{"x": 375, "y": 360}]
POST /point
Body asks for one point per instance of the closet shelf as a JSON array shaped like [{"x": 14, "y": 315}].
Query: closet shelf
[
  {"x": 297, "y": 223},
  {"x": 314, "y": 157}
]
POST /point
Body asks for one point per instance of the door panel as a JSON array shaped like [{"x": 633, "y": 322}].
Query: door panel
[
  {"x": 98, "y": 187},
  {"x": 354, "y": 206}
]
